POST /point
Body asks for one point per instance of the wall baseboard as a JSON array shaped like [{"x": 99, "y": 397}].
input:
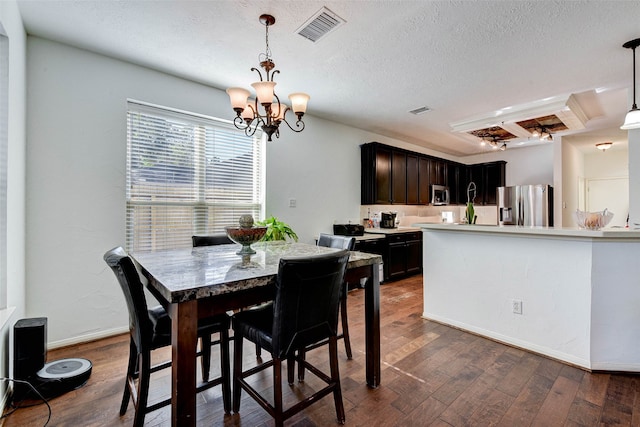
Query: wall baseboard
[{"x": 86, "y": 338}]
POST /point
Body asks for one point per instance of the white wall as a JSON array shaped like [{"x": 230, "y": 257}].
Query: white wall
[
  {"x": 76, "y": 159},
  {"x": 572, "y": 170},
  {"x": 526, "y": 165},
  {"x": 634, "y": 176},
  {"x": 15, "y": 293}
]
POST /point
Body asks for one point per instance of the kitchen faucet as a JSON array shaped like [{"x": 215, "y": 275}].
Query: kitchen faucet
[{"x": 471, "y": 187}]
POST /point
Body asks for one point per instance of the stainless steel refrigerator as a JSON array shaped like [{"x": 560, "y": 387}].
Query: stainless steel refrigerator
[{"x": 525, "y": 205}]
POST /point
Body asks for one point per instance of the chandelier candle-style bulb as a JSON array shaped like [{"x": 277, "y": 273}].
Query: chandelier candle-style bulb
[
  {"x": 264, "y": 91},
  {"x": 238, "y": 97},
  {"x": 247, "y": 113},
  {"x": 266, "y": 111},
  {"x": 277, "y": 111},
  {"x": 299, "y": 103}
]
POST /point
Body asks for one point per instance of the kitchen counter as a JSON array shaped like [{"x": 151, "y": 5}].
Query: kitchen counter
[
  {"x": 604, "y": 233},
  {"x": 368, "y": 236},
  {"x": 567, "y": 293},
  {"x": 385, "y": 231}
]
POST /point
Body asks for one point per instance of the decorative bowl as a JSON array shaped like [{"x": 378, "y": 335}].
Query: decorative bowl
[
  {"x": 246, "y": 236},
  {"x": 592, "y": 220}
]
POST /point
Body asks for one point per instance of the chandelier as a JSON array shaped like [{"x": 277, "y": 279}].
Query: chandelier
[
  {"x": 632, "y": 120},
  {"x": 266, "y": 110},
  {"x": 542, "y": 133},
  {"x": 493, "y": 142}
]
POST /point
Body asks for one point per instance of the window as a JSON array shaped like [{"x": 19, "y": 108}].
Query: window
[
  {"x": 4, "y": 141},
  {"x": 187, "y": 174}
]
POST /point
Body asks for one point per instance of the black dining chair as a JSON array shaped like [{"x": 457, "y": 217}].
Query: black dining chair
[
  {"x": 338, "y": 242},
  {"x": 305, "y": 311},
  {"x": 150, "y": 329},
  {"x": 212, "y": 240}
]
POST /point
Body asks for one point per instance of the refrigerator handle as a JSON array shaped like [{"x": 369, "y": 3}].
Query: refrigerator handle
[{"x": 520, "y": 211}]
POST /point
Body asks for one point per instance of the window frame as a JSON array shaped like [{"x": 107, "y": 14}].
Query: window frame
[{"x": 205, "y": 204}]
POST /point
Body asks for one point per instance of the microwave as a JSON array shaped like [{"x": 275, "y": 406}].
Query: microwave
[{"x": 439, "y": 195}]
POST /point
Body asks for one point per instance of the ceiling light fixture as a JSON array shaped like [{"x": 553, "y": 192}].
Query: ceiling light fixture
[
  {"x": 542, "y": 133},
  {"x": 604, "y": 146},
  {"x": 632, "y": 120},
  {"x": 249, "y": 115}
]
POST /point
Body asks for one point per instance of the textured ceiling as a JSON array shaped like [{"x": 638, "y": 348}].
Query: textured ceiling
[{"x": 460, "y": 58}]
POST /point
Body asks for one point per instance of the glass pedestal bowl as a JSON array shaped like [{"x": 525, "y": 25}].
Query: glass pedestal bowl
[
  {"x": 246, "y": 236},
  {"x": 592, "y": 220}
]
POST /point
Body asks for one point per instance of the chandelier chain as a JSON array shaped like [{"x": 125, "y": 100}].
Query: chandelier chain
[{"x": 267, "y": 53}]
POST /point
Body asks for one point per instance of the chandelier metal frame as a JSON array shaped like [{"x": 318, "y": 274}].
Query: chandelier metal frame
[{"x": 263, "y": 111}]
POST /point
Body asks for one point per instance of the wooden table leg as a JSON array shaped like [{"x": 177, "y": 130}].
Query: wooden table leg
[
  {"x": 372, "y": 327},
  {"x": 184, "y": 337}
]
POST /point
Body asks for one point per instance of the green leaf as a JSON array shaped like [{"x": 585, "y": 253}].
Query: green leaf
[{"x": 277, "y": 230}]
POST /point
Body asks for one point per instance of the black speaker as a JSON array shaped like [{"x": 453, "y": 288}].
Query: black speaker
[{"x": 29, "y": 347}]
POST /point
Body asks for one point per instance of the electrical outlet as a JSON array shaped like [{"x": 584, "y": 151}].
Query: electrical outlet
[
  {"x": 517, "y": 306},
  {"x": 292, "y": 203}
]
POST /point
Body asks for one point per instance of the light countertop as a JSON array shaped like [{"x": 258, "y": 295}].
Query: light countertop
[
  {"x": 369, "y": 236},
  {"x": 605, "y": 233},
  {"x": 384, "y": 231}
]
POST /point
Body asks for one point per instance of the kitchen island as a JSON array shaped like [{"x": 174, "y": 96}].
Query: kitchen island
[{"x": 570, "y": 294}]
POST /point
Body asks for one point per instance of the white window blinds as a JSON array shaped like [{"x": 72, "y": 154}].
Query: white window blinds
[{"x": 187, "y": 174}]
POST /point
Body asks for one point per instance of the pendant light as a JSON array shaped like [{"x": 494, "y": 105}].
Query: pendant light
[
  {"x": 632, "y": 120},
  {"x": 264, "y": 112}
]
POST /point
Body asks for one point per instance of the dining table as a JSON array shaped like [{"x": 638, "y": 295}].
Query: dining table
[{"x": 194, "y": 283}]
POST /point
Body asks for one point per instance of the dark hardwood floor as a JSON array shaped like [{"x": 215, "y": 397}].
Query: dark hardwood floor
[{"x": 432, "y": 375}]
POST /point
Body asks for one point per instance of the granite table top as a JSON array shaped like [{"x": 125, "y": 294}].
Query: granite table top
[{"x": 193, "y": 273}]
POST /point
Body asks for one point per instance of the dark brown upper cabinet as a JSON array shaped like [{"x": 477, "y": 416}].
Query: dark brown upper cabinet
[
  {"x": 424, "y": 183},
  {"x": 395, "y": 176},
  {"x": 398, "y": 177},
  {"x": 413, "y": 179}
]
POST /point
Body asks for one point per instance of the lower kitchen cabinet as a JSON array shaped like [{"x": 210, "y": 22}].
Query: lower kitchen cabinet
[
  {"x": 403, "y": 255},
  {"x": 373, "y": 246}
]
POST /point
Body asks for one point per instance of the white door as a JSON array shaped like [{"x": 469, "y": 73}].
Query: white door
[{"x": 612, "y": 194}]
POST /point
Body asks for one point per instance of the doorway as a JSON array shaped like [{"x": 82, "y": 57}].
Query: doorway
[{"x": 611, "y": 194}]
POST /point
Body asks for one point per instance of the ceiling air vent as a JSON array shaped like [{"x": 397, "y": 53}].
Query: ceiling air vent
[
  {"x": 420, "y": 110},
  {"x": 320, "y": 24}
]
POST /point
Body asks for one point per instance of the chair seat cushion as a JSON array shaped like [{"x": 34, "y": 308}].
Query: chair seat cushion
[
  {"x": 162, "y": 325},
  {"x": 256, "y": 325}
]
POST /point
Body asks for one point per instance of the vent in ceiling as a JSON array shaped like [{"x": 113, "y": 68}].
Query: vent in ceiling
[
  {"x": 420, "y": 110},
  {"x": 320, "y": 24}
]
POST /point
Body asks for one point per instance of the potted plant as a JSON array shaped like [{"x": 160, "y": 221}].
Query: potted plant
[{"x": 277, "y": 230}]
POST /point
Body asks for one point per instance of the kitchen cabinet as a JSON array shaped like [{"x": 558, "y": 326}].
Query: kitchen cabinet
[
  {"x": 487, "y": 177},
  {"x": 404, "y": 255},
  {"x": 424, "y": 185},
  {"x": 438, "y": 172},
  {"x": 383, "y": 175},
  {"x": 392, "y": 175},
  {"x": 455, "y": 183},
  {"x": 494, "y": 176},
  {"x": 398, "y": 178},
  {"x": 413, "y": 179}
]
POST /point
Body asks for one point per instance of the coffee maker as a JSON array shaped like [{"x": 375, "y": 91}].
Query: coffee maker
[{"x": 388, "y": 220}]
